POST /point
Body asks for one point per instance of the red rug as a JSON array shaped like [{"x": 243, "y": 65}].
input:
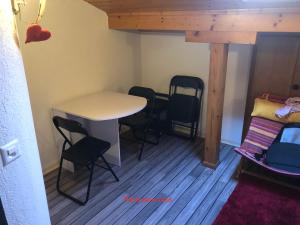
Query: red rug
[{"x": 259, "y": 202}]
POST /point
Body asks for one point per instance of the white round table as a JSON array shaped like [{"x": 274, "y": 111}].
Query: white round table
[{"x": 99, "y": 113}]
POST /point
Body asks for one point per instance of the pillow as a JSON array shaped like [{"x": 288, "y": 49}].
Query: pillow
[{"x": 266, "y": 109}]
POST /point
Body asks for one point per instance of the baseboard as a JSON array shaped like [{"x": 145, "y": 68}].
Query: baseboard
[
  {"x": 50, "y": 168},
  {"x": 230, "y": 143},
  {"x": 234, "y": 144}
]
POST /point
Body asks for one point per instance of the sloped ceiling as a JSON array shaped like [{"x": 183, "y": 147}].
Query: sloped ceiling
[{"x": 110, "y": 6}]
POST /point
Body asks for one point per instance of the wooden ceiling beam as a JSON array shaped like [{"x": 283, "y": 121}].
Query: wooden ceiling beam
[
  {"x": 221, "y": 37},
  {"x": 237, "y": 20}
]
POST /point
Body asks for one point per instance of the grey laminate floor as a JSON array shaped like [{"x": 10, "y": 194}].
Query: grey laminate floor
[{"x": 171, "y": 169}]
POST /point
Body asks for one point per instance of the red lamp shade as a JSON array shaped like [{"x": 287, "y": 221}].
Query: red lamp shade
[{"x": 35, "y": 33}]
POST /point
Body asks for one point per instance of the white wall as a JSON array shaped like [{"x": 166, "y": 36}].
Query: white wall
[
  {"x": 166, "y": 54},
  {"x": 238, "y": 69},
  {"x": 83, "y": 56},
  {"x": 21, "y": 183}
]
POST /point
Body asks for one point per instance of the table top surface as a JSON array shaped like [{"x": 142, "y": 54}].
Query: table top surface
[{"x": 103, "y": 106}]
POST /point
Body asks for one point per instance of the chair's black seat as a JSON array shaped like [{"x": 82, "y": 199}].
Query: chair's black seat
[
  {"x": 138, "y": 120},
  {"x": 86, "y": 150}
]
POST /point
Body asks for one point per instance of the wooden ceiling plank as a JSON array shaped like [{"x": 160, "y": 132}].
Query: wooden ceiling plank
[
  {"x": 175, "y": 5},
  {"x": 221, "y": 37}
]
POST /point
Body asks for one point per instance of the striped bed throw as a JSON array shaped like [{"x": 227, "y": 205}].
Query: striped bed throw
[{"x": 261, "y": 134}]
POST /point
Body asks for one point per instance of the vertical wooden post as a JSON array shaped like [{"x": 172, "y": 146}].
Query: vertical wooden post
[{"x": 216, "y": 91}]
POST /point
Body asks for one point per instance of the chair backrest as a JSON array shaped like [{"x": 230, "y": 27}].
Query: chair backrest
[
  {"x": 186, "y": 82},
  {"x": 185, "y": 107},
  {"x": 147, "y": 93},
  {"x": 69, "y": 125}
]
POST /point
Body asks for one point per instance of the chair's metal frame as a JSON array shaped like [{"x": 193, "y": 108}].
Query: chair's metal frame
[
  {"x": 138, "y": 91},
  {"x": 191, "y": 83},
  {"x": 77, "y": 128}
]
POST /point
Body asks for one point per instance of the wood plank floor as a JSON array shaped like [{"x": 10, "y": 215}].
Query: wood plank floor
[{"x": 171, "y": 169}]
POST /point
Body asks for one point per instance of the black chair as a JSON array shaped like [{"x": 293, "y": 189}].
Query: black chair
[
  {"x": 184, "y": 109},
  {"x": 85, "y": 152},
  {"x": 160, "y": 113},
  {"x": 141, "y": 123}
]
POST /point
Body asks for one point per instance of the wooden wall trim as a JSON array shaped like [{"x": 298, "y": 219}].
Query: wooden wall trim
[
  {"x": 221, "y": 37},
  {"x": 235, "y": 20}
]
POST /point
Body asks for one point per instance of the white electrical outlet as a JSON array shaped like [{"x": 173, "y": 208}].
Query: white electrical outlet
[{"x": 10, "y": 152}]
